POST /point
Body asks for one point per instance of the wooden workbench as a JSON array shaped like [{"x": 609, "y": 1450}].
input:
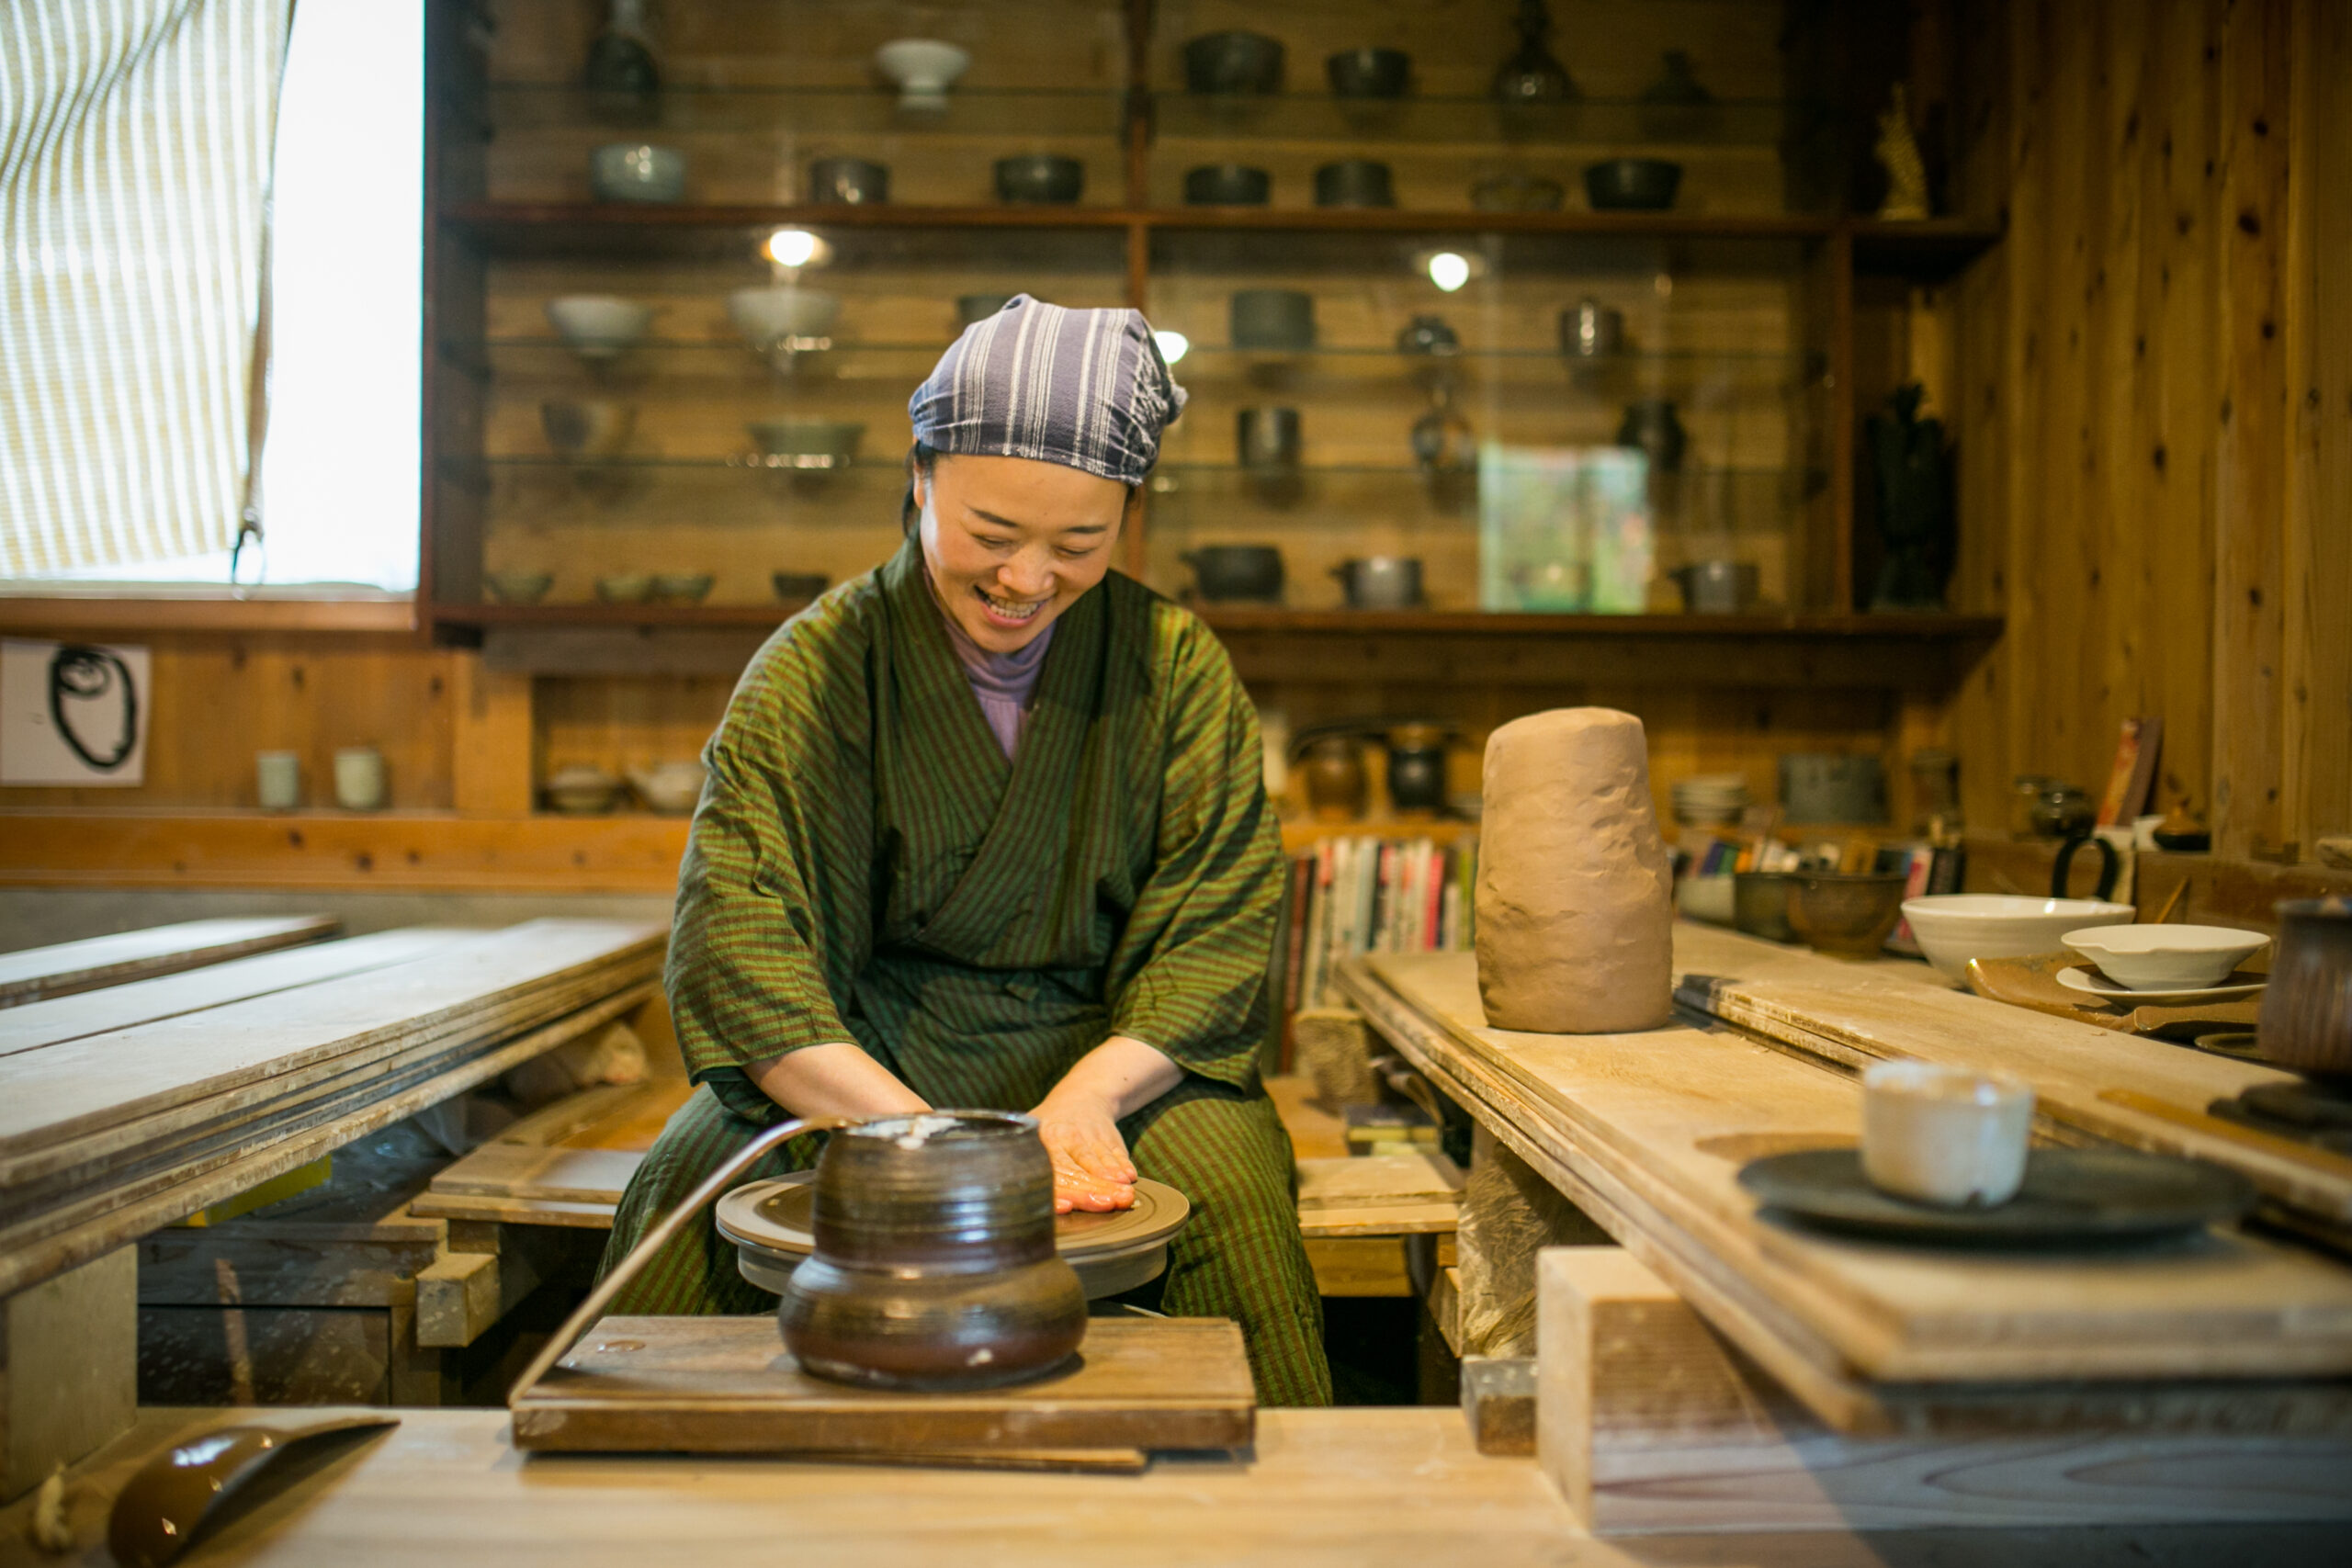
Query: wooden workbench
[{"x": 1366, "y": 1488}]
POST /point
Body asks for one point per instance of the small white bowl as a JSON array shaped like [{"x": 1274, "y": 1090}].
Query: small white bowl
[
  {"x": 1944, "y": 1135},
  {"x": 637, "y": 170},
  {"x": 2167, "y": 958},
  {"x": 670, "y": 788},
  {"x": 599, "y": 326},
  {"x": 767, "y": 316},
  {"x": 1954, "y": 927},
  {"x": 922, "y": 69},
  {"x": 1706, "y": 898}
]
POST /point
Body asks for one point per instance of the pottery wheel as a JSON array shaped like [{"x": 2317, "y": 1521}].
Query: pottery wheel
[
  {"x": 2071, "y": 1198},
  {"x": 774, "y": 1226}
]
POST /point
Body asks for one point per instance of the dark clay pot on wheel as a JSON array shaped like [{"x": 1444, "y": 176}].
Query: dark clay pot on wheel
[{"x": 935, "y": 1265}]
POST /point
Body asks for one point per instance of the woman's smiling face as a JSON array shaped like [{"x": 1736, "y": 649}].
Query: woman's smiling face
[{"x": 1013, "y": 542}]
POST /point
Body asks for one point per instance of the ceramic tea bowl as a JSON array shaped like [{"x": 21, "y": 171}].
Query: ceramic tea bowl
[{"x": 935, "y": 1265}]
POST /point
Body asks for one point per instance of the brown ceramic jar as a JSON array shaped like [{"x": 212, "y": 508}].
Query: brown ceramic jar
[
  {"x": 2305, "y": 1025},
  {"x": 935, "y": 1265}
]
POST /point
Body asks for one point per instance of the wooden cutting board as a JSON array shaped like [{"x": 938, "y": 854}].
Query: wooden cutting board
[{"x": 728, "y": 1385}]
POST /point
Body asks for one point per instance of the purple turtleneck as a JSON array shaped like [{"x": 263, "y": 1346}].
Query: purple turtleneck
[{"x": 1003, "y": 681}]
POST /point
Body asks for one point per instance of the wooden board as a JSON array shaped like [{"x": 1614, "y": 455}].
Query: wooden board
[
  {"x": 1660, "y": 1122},
  {"x": 1855, "y": 1017},
  {"x": 126, "y": 1006},
  {"x": 564, "y": 1164},
  {"x": 726, "y": 1385},
  {"x": 40, "y": 972},
  {"x": 1649, "y": 1421}
]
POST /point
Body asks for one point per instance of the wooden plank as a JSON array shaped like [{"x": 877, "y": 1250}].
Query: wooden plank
[
  {"x": 1378, "y": 1181},
  {"x": 1650, "y": 1422},
  {"x": 1359, "y": 1265},
  {"x": 37, "y": 973},
  {"x": 457, "y": 1299},
  {"x": 724, "y": 1385},
  {"x": 286, "y": 1265},
  {"x": 60, "y": 1018},
  {"x": 69, "y": 1368},
  {"x": 1656, "y": 1127}
]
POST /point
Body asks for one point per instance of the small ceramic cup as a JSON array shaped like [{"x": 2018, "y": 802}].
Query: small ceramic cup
[
  {"x": 1944, "y": 1135},
  {"x": 277, "y": 779},
  {"x": 359, "y": 778}
]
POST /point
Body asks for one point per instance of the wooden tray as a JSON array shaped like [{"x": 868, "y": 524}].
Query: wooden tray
[{"x": 726, "y": 1385}]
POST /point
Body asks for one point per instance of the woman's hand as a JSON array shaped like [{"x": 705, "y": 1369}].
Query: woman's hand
[
  {"x": 1091, "y": 1171},
  {"x": 1079, "y": 1122}
]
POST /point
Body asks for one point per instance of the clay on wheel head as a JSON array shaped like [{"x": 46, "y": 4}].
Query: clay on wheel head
[{"x": 1574, "y": 916}]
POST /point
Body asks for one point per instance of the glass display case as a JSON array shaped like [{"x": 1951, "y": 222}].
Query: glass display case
[{"x": 1572, "y": 353}]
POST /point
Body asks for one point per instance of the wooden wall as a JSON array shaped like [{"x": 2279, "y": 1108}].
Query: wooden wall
[{"x": 2156, "y": 377}]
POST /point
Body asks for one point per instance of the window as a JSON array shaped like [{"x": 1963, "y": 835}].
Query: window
[{"x": 135, "y": 141}]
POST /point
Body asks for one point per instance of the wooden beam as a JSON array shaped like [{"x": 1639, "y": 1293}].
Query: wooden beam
[{"x": 37, "y": 974}]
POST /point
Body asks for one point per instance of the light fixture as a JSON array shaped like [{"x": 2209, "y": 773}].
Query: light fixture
[
  {"x": 1449, "y": 270},
  {"x": 1172, "y": 345},
  {"x": 797, "y": 248}
]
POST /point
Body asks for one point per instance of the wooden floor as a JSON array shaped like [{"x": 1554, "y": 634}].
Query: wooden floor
[{"x": 1391, "y": 1488}]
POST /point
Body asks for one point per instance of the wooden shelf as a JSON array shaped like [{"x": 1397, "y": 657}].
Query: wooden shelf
[
  {"x": 1229, "y": 618},
  {"x": 1927, "y": 252},
  {"x": 47, "y": 615},
  {"x": 614, "y": 615}
]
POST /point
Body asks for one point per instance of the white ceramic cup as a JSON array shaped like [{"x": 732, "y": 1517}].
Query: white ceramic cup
[
  {"x": 1944, "y": 1135},
  {"x": 359, "y": 778},
  {"x": 277, "y": 779}
]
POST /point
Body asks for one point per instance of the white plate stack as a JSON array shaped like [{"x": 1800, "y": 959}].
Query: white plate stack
[{"x": 1710, "y": 800}]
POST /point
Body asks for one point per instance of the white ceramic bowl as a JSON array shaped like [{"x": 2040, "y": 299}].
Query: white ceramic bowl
[
  {"x": 922, "y": 69},
  {"x": 767, "y": 316},
  {"x": 1706, "y": 898},
  {"x": 1954, "y": 927},
  {"x": 1944, "y": 1135},
  {"x": 637, "y": 170},
  {"x": 670, "y": 788},
  {"x": 2167, "y": 958},
  {"x": 599, "y": 326}
]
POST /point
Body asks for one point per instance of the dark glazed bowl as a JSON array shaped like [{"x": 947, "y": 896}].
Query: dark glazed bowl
[
  {"x": 1632, "y": 185},
  {"x": 1227, "y": 184},
  {"x": 1237, "y": 574},
  {"x": 1355, "y": 182},
  {"x": 1234, "y": 63},
  {"x": 1846, "y": 913},
  {"x": 935, "y": 1265},
  {"x": 848, "y": 182},
  {"x": 1759, "y": 903},
  {"x": 1281, "y": 320},
  {"x": 1039, "y": 177},
  {"x": 1370, "y": 73}
]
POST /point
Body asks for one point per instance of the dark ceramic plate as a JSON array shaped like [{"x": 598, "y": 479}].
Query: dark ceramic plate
[{"x": 2070, "y": 1197}]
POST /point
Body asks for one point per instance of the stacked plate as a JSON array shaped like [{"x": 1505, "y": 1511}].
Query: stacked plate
[{"x": 1710, "y": 799}]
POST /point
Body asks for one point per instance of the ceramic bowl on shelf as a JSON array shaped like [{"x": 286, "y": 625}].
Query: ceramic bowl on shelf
[
  {"x": 1355, "y": 182},
  {"x": 1046, "y": 178},
  {"x": 679, "y": 586},
  {"x": 922, "y": 69},
  {"x": 1632, "y": 185},
  {"x": 1381, "y": 582},
  {"x": 1760, "y": 905},
  {"x": 1717, "y": 587},
  {"x": 808, "y": 443},
  {"x": 1954, "y": 927},
  {"x": 518, "y": 587},
  {"x": 2167, "y": 958},
  {"x": 848, "y": 182},
  {"x": 1370, "y": 73},
  {"x": 1846, "y": 913},
  {"x": 637, "y": 170},
  {"x": 1237, "y": 574},
  {"x": 670, "y": 788},
  {"x": 582, "y": 791},
  {"x": 770, "y": 316},
  {"x": 1278, "y": 320},
  {"x": 624, "y": 587},
  {"x": 588, "y": 427},
  {"x": 1227, "y": 184},
  {"x": 797, "y": 587},
  {"x": 1233, "y": 62},
  {"x": 599, "y": 326}
]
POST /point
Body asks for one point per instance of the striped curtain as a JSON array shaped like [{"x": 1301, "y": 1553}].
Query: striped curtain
[{"x": 134, "y": 159}]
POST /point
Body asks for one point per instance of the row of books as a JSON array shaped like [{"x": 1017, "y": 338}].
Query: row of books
[{"x": 1355, "y": 896}]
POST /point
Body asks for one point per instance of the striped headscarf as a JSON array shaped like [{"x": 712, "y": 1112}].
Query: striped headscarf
[{"x": 1084, "y": 389}]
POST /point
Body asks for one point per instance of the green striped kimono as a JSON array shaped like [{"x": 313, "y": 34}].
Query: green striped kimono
[{"x": 866, "y": 864}]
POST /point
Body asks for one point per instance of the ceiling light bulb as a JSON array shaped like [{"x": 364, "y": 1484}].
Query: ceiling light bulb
[
  {"x": 794, "y": 247},
  {"x": 1449, "y": 271},
  {"x": 1172, "y": 345}
]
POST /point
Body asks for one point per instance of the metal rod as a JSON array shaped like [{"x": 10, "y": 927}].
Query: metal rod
[{"x": 669, "y": 1226}]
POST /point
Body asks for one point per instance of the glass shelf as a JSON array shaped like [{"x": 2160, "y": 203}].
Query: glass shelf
[{"x": 996, "y": 113}]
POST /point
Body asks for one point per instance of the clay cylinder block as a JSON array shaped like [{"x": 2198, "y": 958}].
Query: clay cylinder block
[{"x": 1574, "y": 912}]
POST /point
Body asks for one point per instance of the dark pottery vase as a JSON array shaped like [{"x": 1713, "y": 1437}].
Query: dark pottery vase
[
  {"x": 1042, "y": 177},
  {"x": 1677, "y": 107},
  {"x": 1370, "y": 73},
  {"x": 1444, "y": 442},
  {"x": 1591, "y": 330},
  {"x": 1529, "y": 76},
  {"x": 1653, "y": 425},
  {"x": 1632, "y": 185},
  {"x": 1355, "y": 182},
  {"x": 848, "y": 182},
  {"x": 1237, "y": 574},
  {"x": 2305, "y": 1025},
  {"x": 1417, "y": 768},
  {"x": 1918, "y": 514},
  {"x": 935, "y": 1265},
  {"x": 1234, "y": 63},
  {"x": 1335, "y": 781},
  {"x": 1267, "y": 438},
  {"x": 1280, "y": 319},
  {"x": 623, "y": 81}
]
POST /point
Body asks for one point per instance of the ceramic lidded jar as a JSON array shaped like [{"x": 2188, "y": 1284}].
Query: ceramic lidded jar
[
  {"x": 935, "y": 1265},
  {"x": 2306, "y": 1021}
]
